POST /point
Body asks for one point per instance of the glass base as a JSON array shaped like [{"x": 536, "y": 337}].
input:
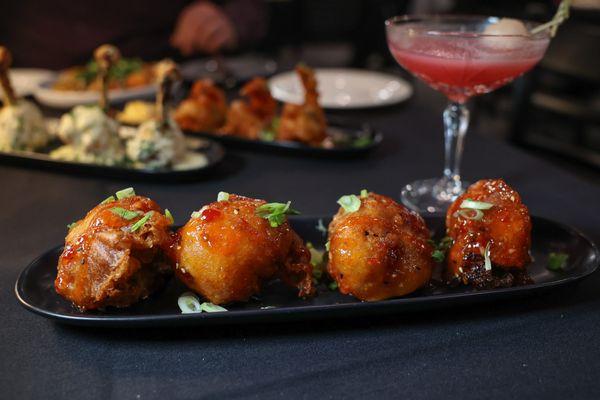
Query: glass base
[{"x": 432, "y": 196}]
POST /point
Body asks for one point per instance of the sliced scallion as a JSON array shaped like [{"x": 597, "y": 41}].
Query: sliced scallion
[
  {"x": 123, "y": 213},
  {"x": 210, "y": 307},
  {"x": 475, "y": 205},
  {"x": 124, "y": 193},
  {"x": 188, "y": 303},
  {"x": 223, "y": 196},
  {"x": 141, "y": 221}
]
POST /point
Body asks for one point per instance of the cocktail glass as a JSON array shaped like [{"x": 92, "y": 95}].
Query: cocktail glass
[{"x": 457, "y": 56}]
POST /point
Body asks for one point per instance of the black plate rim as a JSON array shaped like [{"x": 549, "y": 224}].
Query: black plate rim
[
  {"x": 298, "y": 311},
  {"x": 295, "y": 147},
  {"x": 215, "y": 152}
]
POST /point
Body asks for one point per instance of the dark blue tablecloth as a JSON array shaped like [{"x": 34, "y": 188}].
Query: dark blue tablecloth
[{"x": 542, "y": 347}]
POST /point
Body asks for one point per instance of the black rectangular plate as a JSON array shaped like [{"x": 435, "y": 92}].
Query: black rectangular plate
[
  {"x": 341, "y": 128},
  {"x": 214, "y": 153},
  {"x": 35, "y": 288}
]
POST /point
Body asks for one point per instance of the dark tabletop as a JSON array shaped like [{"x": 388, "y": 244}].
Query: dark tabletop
[{"x": 540, "y": 347}]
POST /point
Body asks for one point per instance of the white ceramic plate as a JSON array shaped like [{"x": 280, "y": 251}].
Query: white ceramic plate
[
  {"x": 25, "y": 81},
  {"x": 344, "y": 88},
  {"x": 64, "y": 99}
]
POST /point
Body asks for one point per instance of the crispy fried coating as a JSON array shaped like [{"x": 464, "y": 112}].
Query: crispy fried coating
[
  {"x": 304, "y": 123},
  {"x": 380, "y": 251},
  {"x": 506, "y": 227},
  {"x": 226, "y": 252},
  {"x": 249, "y": 116},
  {"x": 204, "y": 110},
  {"x": 105, "y": 264}
]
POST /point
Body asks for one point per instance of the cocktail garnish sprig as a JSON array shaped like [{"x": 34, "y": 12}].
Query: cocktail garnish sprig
[{"x": 561, "y": 16}]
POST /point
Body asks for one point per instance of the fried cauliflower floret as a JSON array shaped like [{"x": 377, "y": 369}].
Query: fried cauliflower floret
[
  {"x": 89, "y": 136},
  {"x": 107, "y": 261},
  {"x": 156, "y": 146},
  {"x": 226, "y": 251},
  {"x": 379, "y": 251},
  {"x": 504, "y": 228},
  {"x": 22, "y": 127}
]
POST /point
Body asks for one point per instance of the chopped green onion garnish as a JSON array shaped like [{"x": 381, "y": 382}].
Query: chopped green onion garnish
[
  {"x": 475, "y": 205},
  {"x": 169, "y": 215},
  {"x": 469, "y": 213},
  {"x": 327, "y": 245},
  {"x": 321, "y": 228},
  {"x": 438, "y": 255},
  {"x": 276, "y": 213},
  {"x": 109, "y": 199},
  {"x": 71, "y": 225},
  {"x": 333, "y": 285},
  {"x": 196, "y": 214},
  {"x": 123, "y": 213},
  {"x": 439, "y": 252},
  {"x": 223, "y": 196},
  {"x": 557, "y": 261},
  {"x": 486, "y": 256},
  {"x": 142, "y": 221},
  {"x": 210, "y": 307},
  {"x": 350, "y": 203},
  {"x": 127, "y": 192},
  {"x": 364, "y": 193},
  {"x": 188, "y": 303},
  {"x": 316, "y": 256}
]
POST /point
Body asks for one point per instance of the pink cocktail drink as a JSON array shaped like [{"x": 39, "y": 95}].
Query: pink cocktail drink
[
  {"x": 460, "y": 56},
  {"x": 460, "y": 75}
]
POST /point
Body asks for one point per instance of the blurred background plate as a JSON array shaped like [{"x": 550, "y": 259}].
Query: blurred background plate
[
  {"x": 342, "y": 88},
  {"x": 240, "y": 68},
  {"x": 27, "y": 80},
  {"x": 65, "y": 99}
]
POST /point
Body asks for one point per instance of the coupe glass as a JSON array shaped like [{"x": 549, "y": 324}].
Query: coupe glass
[{"x": 458, "y": 57}]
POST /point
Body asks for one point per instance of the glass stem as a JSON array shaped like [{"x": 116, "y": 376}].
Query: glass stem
[{"x": 456, "y": 121}]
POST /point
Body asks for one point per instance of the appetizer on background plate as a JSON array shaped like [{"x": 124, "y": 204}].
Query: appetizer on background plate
[{"x": 22, "y": 126}]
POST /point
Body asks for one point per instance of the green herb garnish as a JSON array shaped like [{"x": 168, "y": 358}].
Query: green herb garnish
[
  {"x": 561, "y": 15},
  {"x": 125, "y": 193},
  {"x": 557, "y": 261},
  {"x": 486, "y": 256},
  {"x": 362, "y": 141},
  {"x": 364, "y": 194},
  {"x": 276, "y": 213},
  {"x": 188, "y": 303},
  {"x": 123, "y": 213},
  {"x": 475, "y": 205},
  {"x": 210, "y": 307},
  {"x": 269, "y": 134},
  {"x": 439, "y": 252},
  {"x": 169, "y": 216},
  {"x": 109, "y": 199},
  {"x": 333, "y": 285},
  {"x": 327, "y": 245},
  {"x": 196, "y": 214},
  {"x": 142, "y": 221},
  {"x": 223, "y": 196},
  {"x": 71, "y": 225},
  {"x": 350, "y": 203}
]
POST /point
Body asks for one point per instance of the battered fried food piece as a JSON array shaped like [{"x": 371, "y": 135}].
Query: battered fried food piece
[
  {"x": 379, "y": 251},
  {"x": 249, "y": 116},
  {"x": 304, "y": 123},
  {"x": 497, "y": 220},
  {"x": 204, "y": 110},
  {"x": 226, "y": 251},
  {"x": 117, "y": 255}
]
